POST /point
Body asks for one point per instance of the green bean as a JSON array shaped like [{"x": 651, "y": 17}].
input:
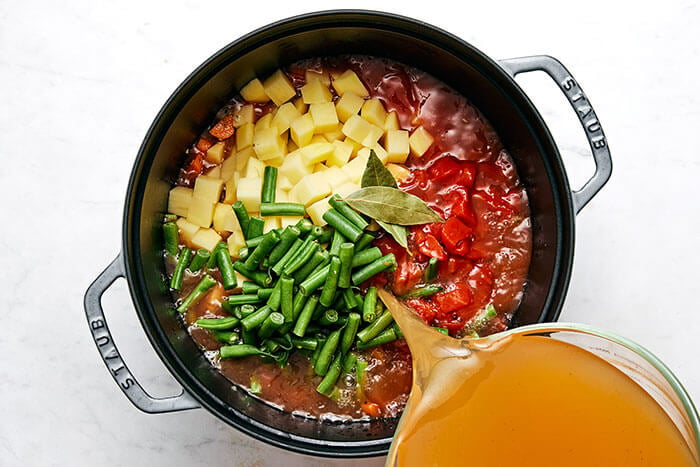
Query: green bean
[
  {"x": 350, "y": 332},
  {"x": 255, "y": 227},
  {"x": 240, "y": 350},
  {"x": 307, "y": 343},
  {"x": 259, "y": 277},
  {"x": 282, "y": 209},
  {"x": 366, "y": 256},
  {"x": 349, "y": 362},
  {"x": 230, "y": 308},
  {"x": 170, "y": 238},
  {"x": 442, "y": 330},
  {"x": 270, "y": 345},
  {"x": 249, "y": 337},
  {"x": 253, "y": 242},
  {"x": 386, "y": 336},
  {"x": 242, "y": 216},
  {"x": 285, "y": 341},
  {"x": 244, "y": 252},
  {"x": 278, "y": 267},
  {"x": 218, "y": 324},
  {"x": 243, "y": 299},
  {"x": 317, "y": 351},
  {"x": 269, "y": 240},
  {"x": 287, "y": 298},
  {"x": 320, "y": 256},
  {"x": 326, "y": 355},
  {"x": 299, "y": 302},
  {"x": 228, "y": 277},
  {"x": 368, "y": 308},
  {"x": 316, "y": 232},
  {"x": 374, "y": 268},
  {"x": 198, "y": 292},
  {"x": 349, "y": 213},
  {"x": 349, "y": 299},
  {"x": 375, "y": 327},
  {"x": 211, "y": 263},
  {"x": 328, "y": 318},
  {"x": 275, "y": 299},
  {"x": 254, "y": 320},
  {"x": 431, "y": 271},
  {"x": 199, "y": 260},
  {"x": 425, "y": 291},
  {"x": 304, "y": 225},
  {"x": 169, "y": 218},
  {"x": 340, "y": 223},
  {"x": 273, "y": 321},
  {"x": 305, "y": 316},
  {"x": 247, "y": 310},
  {"x": 182, "y": 261},
  {"x": 397, "y": 330},
  {"x": 287, "y": 238},
  {"x": 269, "y": 186},
  {"x": 337, "y": 240},
  {"x": 360, "y": 368},
  {"x": 264, "y": 294},
  {"x": 227, "y": 337},
  {"x": 248, "y": 287},
  {"x": 327, "y": 384},
  {"x": 303, "y": 256},
  {"x": 347, "y": 251},
  {"x": 314, "y": 281},
  {"x": 326, "y": 236},
  {"x": 331, "y": 283},
  {"x": 365, "y": 240}
]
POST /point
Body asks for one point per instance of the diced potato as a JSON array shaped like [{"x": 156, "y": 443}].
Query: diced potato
[
  {"x": 225, "y": 219},
  {"x": 275, "y": 162},
  {"x": 317, "y": 210},
  {"x": 312, "y": 75},
  {"x": 186, "y": 229},
  {"x": 373, "y": 111},
  {"x": 264, "y": 122},
  {"x": 316, "y": 152},
  {"x": 336, "y": 177},
  {"x": 179, "y": 200},
  {"x": 355, "y": 168},
  {"x": 283, "y": 183},
  {"x": 215, "y": 154},
  {"x": 301, "y": 107},
  {"x": 335, "y": 134},
  {"x": 379, "y": 151},
  {"x": 208, "y": 188},
  {"x": 284, "y": 116},
  {"x": 397, "y": 147},
  {"x": 348, "y": 105},
  {"x": 349, "y": 82},
  {"x": 293, "y": 167},
  {"x": 319, "y": 167},
  {"x": 214, "y": 172},
  {"x": 355, "y": 145},
  {"x": 248, "y": 192},
  {"x": 399, "y": 172},
  {"x": 392, "y": 121},
  {"x": 419, "y": 141},
  {"x": 346, "y": 188},
  {"x": 235, "y": 242},
  {"x": 286, "y": 221},
  {"x": 201, "y": 211},
  {"x": 359, "y": 129},
  {"x": 341, "y": 154},
  {"x": 279, "y": 88},
  {"x": 268, "y": 144},
  {"x": 206, "y": 238},
  {"x": 311, "y": 188},
  {"x": 245, "y": 114},
  {"x": 254, "y": 92},
  {"x": 315, "y": 92},
  {"x": 317, "y": 139},
  {"x": 230, "y": 196},
  {"x": 281, "y": 196},
  {"x": 255, "y": 168},
  {"x": 228, "y": 167},
  {"x": 291, "y": 146},
  {"x": 324, "y": 116},
  {"x": 244, "y": 136},
  {"x": 271, "y": 223},
  {"x": 302, "y": 130},
  {"x": 242, "y": 158}
]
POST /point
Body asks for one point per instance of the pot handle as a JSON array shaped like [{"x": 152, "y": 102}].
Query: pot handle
[
  {"x": 584, "y": 112},
  {"x": 110, "y": 355}
]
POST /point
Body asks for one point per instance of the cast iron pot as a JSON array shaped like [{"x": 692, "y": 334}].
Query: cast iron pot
[{"x": 487, "y": 83}]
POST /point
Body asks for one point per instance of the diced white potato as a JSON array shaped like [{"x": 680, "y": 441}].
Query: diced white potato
[
  {"x": 201, "y": 211},
  {"x": 271, "y": 223},
  {"x": 235, "y": 242},
  {"x": 279, "y": 88},
  {"x": 379, "y": 151},
  {"x": 313, "y": 75},
  {"x": 215, "y": 154},
  {"x": 355, "y": 145},
  {"x": 228, "y": 167},
  {"x": 293, "y": 167},
  {"x": 245, "y": 114},
  {"x": 420, "y": 141},
  {"x": 301, "y": 107},
  {"x": 244, "y": 136},
  {"x": 373, "y": 111},
  {"x": 281, "y": 196},
  {"x": 341, "y": 154},
  {"x": 348, "y": 105},
  {"x": 206, "y": 238},
  {"x": 392, "y": 121},
  {"x": 248, "y": 192},
  {"x": 346, "y": 188},
  {"x": 317, "y": 210},
  {"x": 316, "y": 152},
  {"x": 254, "y": 92},
  {"x": 319, "y": 167},
  {"x": 315, "y": 92},
  {"x": 268, "y": 144},
  {"x": 360, "y": 130},
  {"x": 283, "y": 183},
  {"x": 179, "y": 200},
  {"x": 349, "y": 82},
  {"x": 355, "y": 168},
  {"x": 214, "y": 172},
  {"x": 291, "y": 146},
  {"x": 311, "y": 188},
  {"x": 230, "y": 187},
  {"x": 264, "y": 122},
  {"x": 400, "y": 172},
  {"x": 284, "y": 116},
  {"x": 335, "y": 134},
  {"x": 186, "y": 229},
  {"x": 336, "y": 177},
  {"x": 208, "y": 188},
  {"x": 286, "y": 221},
  {"x": 301, "y": 130},
  {"x": 317, "y": 139},
  {"x": 255, "y": 168},
  {"x": 324, "y": 116},
  {"x": 397, "y": 147},
  {"x": 275, "y": 162},
  {"x": 225, "y": 219},
  {"x": 242, "y": 158}
]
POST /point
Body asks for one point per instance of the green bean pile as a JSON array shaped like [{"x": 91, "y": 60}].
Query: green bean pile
[{"x": 301, "y": 291}]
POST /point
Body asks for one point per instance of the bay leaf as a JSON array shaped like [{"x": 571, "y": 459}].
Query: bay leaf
[
  {"x": 392, "y": 205},
  {"x": 376, "y": 174},
  {"x": 399, "y": 232}
]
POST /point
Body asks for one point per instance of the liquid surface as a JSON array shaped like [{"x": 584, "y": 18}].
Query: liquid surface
[{"x": 525, "y": 400}]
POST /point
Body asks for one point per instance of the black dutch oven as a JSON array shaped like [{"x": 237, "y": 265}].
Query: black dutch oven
[{"x": 487, "y": 83}]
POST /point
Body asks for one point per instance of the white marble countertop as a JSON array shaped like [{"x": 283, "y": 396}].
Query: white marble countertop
[{"x": 81, "y": 81}]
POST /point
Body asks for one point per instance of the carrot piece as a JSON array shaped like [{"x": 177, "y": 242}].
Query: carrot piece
[
  {"x": 371, "y": 409},
  {"x": 224, "y": 128}
]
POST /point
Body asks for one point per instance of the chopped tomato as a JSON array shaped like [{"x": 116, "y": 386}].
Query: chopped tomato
[
  {"x": 406, "y": 276},
  {"x": 430, "y": 247},
  {"x": 224, "y": 128},
  {"x": 427, "y": 310},
  {"x": 451, "y": 300},
  {"x": 460, "y": 205},
  {"x": 456, "y": 236},
  {"x": 203, "y": 144}
]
